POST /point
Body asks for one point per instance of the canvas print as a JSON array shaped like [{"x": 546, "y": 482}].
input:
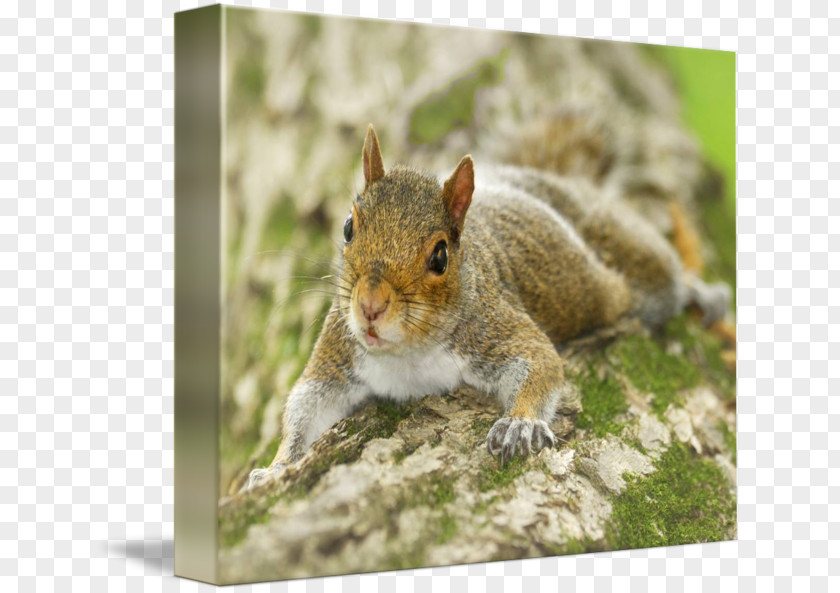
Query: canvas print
[{"x": 475, "y": 296}]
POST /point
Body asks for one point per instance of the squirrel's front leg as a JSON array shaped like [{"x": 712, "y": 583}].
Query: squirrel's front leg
[
  {"x": 314, "y": 404},
  {"x": 325, "y": 393},
  {"x": 528, "y": 382}
]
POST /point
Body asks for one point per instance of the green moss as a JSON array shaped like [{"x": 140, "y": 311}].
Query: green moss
[
  {"x": 386, "y": 419},
  {"x": 481, "y": 426},
  {"x": 637, "y": 445},
  {"x": 495, "y": 476},
  {"x": 729, "y": 440},
  {"x": 432, "y": 491},
  {"x": 687, "y": 500},
  {"x": 412, "y": 557},
  {"x": 573, "y": 546},
  {"x": 486, "y": 504},
  {"x": 344, "y": 453},
  {"x": 381, "y": 422},
  {"x": 452, "y": 107},
  {"x": 236, "y": 519},
  {"x": 602, "y": 400},
  {"x": 404, "y": 451},
  {"x": 447, "y": 528},
  {"x": 704, "y": 350},
  {"x": 652, "y": 370}
]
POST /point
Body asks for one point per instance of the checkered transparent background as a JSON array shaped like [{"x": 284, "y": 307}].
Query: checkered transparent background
[{"x": 86, "y": 297}]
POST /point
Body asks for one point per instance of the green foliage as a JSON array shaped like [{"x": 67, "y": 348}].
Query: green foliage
[
  {"x": 452, "y": 108},
  {"x": 687, "y": 500},
  {"x": 652, "y": 370},
  {"x": 602, "y": 400},
  {"x": 279, "y": 225},
  {"x": 705, "y": 80},
  {"x": 269, "y": 453},
  {"x": 249, "y": 72}
]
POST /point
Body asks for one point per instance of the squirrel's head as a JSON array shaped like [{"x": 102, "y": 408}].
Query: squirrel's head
[{"x": 402, "y": 253}]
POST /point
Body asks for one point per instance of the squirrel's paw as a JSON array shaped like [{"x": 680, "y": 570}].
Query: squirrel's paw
[
  {"x": 716, "y": 301},
  {"x": 712, "y": 299},
  {"x": 518, "y": 436},
  {"x": 261, "y": 475}
]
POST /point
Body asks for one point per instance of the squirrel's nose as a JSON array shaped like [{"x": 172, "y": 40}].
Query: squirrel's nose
[{"x": 373, "y": 308}]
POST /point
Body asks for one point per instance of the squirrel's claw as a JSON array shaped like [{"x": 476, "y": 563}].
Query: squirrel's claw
[
  {"x": 261, "y": 475},
  {"x": 511, "y": 437}
]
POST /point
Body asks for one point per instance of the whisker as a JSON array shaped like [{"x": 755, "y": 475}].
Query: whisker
[
  {"x": 283, "y": 302},
  {"x": 444, "y": 331},
  {"x": 423, "y": 306},
  {"x": 327, "y": 292},
  {"x": 345, "y": 289},
  {"x": 325, "y": 278},
  {"x": 445, "y": 314},
  {"x": 328, "y": 264},
  {"x": 314, "y": 321}
]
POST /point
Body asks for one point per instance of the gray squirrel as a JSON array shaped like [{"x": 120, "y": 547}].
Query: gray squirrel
[{"x": 474, "y": 280}]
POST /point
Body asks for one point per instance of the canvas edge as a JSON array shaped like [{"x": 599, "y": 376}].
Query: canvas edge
[{"x": 198, "y": 135}]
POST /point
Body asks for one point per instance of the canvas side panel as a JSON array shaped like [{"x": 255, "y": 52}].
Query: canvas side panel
[{"x": 197, "y": 278}]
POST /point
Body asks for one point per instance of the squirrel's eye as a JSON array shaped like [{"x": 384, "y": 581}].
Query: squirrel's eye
[
  {"x": 439, "y": 259},
  {"x": 348, "y": 229}
]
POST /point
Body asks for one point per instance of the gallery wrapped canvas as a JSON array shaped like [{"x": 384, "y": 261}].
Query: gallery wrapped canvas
[{"x": 446, "y": 295}]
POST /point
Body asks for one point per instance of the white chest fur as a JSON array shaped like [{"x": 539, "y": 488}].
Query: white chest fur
[{"x": 413, "y": 374}]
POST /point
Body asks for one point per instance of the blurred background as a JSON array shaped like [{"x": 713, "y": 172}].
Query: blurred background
[{"x": 300, "y": 92}]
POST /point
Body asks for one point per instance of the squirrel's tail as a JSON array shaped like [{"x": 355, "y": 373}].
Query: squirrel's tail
[
  {"x": 653, "y": 166},
  {"x": 686, "y": 239}
]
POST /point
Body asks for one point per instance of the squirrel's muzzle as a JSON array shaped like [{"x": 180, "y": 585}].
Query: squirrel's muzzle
[{"x": 373, "y": 299}]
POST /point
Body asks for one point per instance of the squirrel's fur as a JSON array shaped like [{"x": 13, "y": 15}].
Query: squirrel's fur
[{"x": 532, "y": 259}]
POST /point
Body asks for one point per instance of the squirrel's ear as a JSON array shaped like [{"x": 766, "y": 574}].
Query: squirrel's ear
[
  {"x": 458, "y": 191},
  {"x": 372, "y": 158}
]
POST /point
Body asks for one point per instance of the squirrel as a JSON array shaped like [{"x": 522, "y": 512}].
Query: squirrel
[{"x": 474, "y": 280}]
